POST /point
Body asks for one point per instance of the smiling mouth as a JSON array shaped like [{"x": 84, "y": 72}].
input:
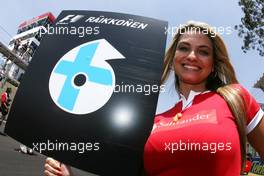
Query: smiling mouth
[{"x": 191, "y": 67}]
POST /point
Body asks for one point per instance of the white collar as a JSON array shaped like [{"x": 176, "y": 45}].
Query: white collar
[{"x": 187, "y": 103}]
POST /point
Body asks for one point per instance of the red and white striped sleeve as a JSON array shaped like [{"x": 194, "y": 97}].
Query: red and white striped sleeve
[{"x": 254, "y": 113}]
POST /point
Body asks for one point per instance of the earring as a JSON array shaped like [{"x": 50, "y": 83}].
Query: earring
[{"x": 214, "y": 74}]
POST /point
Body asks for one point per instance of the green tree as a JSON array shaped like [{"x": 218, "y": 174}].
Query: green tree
[{"x": 251, "y": 28}]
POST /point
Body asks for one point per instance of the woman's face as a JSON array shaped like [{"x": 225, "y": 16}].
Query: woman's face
[{"x": 193, "y": 60}]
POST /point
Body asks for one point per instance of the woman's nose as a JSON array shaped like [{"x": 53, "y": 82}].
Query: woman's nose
[{"x": 191, "y": 56}]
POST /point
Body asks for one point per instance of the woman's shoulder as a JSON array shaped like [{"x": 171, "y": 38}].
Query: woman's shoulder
[
  {"x": 237, "y": 86},
  {"x": 243, "y": 91}
]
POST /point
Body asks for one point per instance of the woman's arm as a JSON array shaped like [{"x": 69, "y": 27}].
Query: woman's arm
[{"x": 256, "y": 138}]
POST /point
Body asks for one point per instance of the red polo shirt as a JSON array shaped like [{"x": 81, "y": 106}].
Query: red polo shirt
[
  {"x": 205, "y": 141},
  {"x": 3, "y": 97}
]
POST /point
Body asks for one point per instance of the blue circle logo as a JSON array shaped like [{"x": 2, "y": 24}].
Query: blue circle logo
[{"x": 82, "y": 81}]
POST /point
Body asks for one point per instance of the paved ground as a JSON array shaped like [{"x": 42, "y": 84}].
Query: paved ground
[{"x": 14, "y": 163}]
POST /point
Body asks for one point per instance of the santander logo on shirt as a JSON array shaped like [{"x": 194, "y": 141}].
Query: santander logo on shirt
[{"x": 205, "y": 116}]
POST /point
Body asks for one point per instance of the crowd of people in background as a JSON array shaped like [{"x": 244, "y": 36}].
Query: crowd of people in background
[
  {"x": 5, "y": 103},
  {"x": 23, "y": 50}
]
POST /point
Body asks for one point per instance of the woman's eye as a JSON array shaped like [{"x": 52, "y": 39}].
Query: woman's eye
[
  {"x": 183, "y": 48},
  {"x": 204, "y": 53}
]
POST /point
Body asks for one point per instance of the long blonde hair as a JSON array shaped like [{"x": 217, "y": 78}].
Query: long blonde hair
[{"x": 219, "y": 81}]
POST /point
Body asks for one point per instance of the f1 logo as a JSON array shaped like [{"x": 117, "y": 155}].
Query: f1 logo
[
  {"x": 70, "y": 19},
  {"x": 82, "y": 81}
]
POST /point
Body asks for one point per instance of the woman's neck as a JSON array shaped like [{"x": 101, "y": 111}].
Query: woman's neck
[{"x": 185, "y": 89}]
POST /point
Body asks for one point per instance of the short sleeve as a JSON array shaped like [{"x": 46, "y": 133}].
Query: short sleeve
[{"x": 253, "y": 111}]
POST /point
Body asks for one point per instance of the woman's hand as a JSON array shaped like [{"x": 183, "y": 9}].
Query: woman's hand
[{"x": 55, "y": 168}]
